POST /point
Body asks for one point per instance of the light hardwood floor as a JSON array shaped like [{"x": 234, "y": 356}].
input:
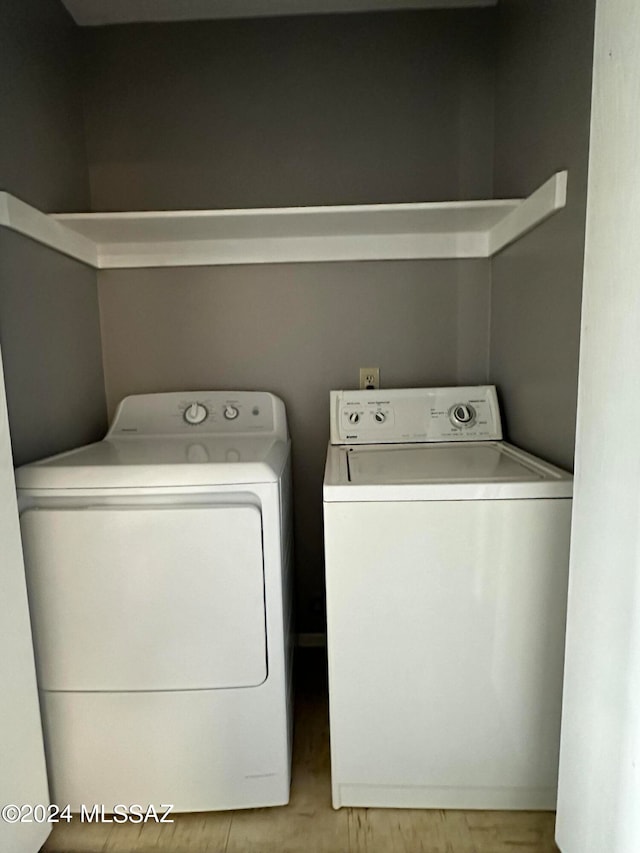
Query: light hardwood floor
[{"x": 309, "y": 824}]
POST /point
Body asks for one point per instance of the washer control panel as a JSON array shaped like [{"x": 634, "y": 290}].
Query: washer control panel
[
  {"x": 200, "y": 413},
  {"x": 399, "y": 415}
]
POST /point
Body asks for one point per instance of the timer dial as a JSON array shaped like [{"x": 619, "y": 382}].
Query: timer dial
[
  {"x": 231, "y": 413},
  {"x": 195, "y": 414},
  {"x": 462, "y": 414}
]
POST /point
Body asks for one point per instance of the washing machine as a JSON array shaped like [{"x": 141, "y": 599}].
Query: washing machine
[
  {"x": 158, "y": 569},
  {"x": 447, "y": 553}
]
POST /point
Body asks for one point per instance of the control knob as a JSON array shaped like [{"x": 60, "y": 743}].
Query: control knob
[
  {"x": 380, "y": 417},
  {"x": 354, "y": 417},
  {"x": 231, "y": 413},
  {"x": 463, "y": 414},
  {"x": 195, "y": 414}
]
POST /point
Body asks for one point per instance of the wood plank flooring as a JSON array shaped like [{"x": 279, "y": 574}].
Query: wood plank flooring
[{"x": 309, "y": 824}]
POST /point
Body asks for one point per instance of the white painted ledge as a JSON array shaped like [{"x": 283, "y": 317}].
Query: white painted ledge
[
  {"x": 27, "y": 220},
  {"x": 442, "y": 230},
  {"x": 531, "y": 211}
]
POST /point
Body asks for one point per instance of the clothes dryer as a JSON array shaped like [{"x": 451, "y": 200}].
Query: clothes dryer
[
  {"x": 158, "y": 569},
  {"x": 447, "y": 555}
]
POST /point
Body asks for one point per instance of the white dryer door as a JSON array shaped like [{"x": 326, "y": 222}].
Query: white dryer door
[{"x": 133, "y": 598}]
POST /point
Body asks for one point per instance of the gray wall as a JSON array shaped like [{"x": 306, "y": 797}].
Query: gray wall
[
  {"x": 42, "y": 151},
  {"x": 49, "y": 323},
  {"x": 50, "y": 339},
  {"x": 290, "y": 111},
  {"x": 343, "y": 109},
  {"x": 543, "y": 88}
]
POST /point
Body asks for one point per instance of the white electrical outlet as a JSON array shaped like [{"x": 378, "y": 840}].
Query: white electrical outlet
[{"x": 369, "y": 378}]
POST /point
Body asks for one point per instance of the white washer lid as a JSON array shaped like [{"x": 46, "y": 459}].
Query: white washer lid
[
  {"x": 469, "y": 471},
  {"x": 140, "y": 462},
  {"x": 439, "y": 464}
]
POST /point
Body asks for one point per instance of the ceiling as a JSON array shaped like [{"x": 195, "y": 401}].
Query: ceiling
[{"x": 99, "y": 12}]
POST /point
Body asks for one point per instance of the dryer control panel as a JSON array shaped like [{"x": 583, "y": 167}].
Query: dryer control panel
[
  {"x": 401, "y": 415},
  {"x": 212, "y": 413}
]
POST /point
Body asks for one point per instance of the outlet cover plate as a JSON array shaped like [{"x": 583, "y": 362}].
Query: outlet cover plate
[{"x": 369, "y": 378}]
